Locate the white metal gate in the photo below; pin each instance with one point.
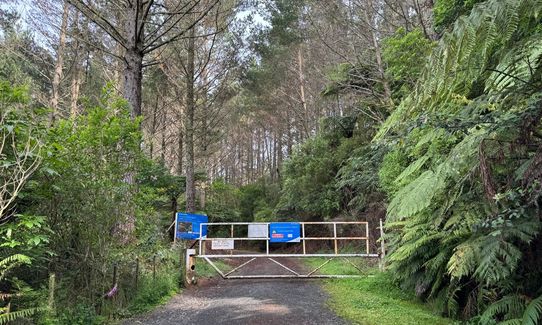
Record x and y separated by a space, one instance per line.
227 242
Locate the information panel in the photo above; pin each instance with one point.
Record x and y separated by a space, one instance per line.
222 244
187 225
285 232
258 231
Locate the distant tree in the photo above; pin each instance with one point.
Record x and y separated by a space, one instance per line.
140 27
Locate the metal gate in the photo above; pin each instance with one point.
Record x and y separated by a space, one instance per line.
224 243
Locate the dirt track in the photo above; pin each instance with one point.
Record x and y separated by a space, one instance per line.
277 301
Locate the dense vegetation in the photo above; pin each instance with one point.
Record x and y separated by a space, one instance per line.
430 119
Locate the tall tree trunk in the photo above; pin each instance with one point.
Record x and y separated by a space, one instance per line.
280 155
57 77
153 127
371 22
301 76
133 79
133 61
289 143
189 124
76 76
180 150
75 89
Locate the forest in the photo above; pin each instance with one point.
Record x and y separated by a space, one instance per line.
116 114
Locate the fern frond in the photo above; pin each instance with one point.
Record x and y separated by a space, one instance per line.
11 262
512 304
533 312
464 260
23 313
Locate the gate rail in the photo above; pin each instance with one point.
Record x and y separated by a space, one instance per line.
303 239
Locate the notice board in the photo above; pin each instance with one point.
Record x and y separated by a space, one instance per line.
187 225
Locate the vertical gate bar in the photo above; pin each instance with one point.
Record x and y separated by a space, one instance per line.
335 236
303 232
175 230
231 233
367 235
267 241
200 228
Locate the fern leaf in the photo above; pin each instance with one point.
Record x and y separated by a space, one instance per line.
23 313
533 312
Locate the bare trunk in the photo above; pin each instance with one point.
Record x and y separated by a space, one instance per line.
279 154
180 153
301 76
76 77
189 124
153 127
425 18
75 89
133 63
378 55
132 80
55 97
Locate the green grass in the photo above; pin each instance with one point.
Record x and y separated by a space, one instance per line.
373 299
204 270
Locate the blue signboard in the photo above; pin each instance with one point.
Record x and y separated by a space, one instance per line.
284 232
187 225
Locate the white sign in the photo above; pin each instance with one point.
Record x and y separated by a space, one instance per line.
257 231
222 244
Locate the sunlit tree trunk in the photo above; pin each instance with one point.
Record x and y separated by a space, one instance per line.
189 124
57 77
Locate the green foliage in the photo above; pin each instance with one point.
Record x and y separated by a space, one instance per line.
155 291
257 200
81 314
463 221
309 185
22 236
93 180
223 202
8 317
345 77
406 54
446 12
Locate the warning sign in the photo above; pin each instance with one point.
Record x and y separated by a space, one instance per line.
222 244
285 232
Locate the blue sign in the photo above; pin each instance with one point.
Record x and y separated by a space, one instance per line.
187 225
284 232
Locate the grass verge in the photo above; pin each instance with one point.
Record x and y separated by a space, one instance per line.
374 298
205 270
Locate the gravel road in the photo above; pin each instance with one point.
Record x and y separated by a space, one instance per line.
274 301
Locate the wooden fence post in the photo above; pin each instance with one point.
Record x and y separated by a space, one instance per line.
52 284
183 265
382 246
137 273
154 267
114 274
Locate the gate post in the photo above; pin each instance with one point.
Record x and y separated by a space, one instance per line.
190 266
